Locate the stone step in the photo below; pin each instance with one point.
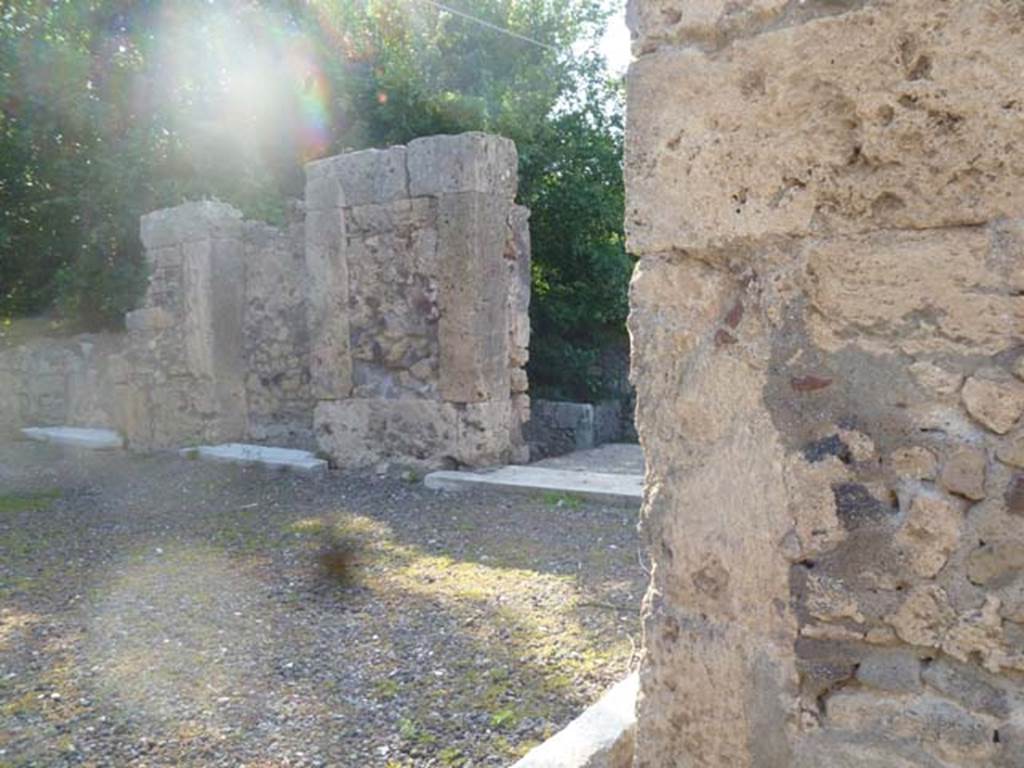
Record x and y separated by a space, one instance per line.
259 455
600 486
602 737
77 437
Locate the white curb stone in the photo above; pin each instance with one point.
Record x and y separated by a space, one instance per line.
78 437
260 455
595 485
602 737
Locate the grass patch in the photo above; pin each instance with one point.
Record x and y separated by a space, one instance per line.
13 503
563 500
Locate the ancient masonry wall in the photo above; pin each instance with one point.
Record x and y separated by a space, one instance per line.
419 267
827 320
387 320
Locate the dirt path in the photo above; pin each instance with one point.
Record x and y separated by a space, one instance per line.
156 611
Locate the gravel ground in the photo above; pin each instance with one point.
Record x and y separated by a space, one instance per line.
156 611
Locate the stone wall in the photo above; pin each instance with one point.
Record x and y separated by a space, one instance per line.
827 322
387 320
276 334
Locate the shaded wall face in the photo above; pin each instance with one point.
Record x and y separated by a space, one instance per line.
827 322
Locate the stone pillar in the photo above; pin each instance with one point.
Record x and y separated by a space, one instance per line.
827 324
411 277
186 349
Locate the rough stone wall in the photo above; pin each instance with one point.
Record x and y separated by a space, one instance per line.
276 334
828 329
388 320
57 381
418 307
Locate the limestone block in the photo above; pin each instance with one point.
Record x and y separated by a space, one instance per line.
362 432
995 401
914 462
403 215
357 178
897 670
518 255
204 220
472 298
929 533
484 432
467 162
995 562
943 728
963 473
330 361
914 136
923 292
708 23
969 686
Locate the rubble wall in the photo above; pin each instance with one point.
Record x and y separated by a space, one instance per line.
387 320
827 322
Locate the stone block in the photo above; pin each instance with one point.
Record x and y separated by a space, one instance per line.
357 178
362 432
149 319
968 685
879 145
270 457
915 462
472 298
705 23
963 473
484 432
943 728
601 737
77 437
929 533
926 293
994 400
994 563
897 671
467 162
518 255
330 360
557 428
204 220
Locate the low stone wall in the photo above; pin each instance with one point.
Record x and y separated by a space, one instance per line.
558 427
387 320
58 381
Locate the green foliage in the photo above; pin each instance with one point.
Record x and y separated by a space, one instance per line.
111 109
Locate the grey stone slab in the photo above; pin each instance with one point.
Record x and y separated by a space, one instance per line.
207 219
78 437
357 178
466 162
594 485
602 737
261 455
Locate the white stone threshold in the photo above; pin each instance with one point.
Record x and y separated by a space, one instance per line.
594 485
77 437
259 455
602 737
